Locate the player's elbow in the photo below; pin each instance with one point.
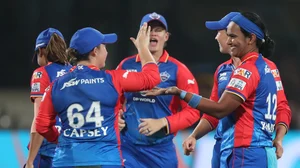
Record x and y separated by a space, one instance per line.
218 116
154 80
221 112
41 127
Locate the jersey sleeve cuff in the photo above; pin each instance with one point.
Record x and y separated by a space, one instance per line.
236 93
211 120
285 125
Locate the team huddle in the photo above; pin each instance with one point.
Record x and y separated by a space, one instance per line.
90 118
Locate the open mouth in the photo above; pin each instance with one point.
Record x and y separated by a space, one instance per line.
153 41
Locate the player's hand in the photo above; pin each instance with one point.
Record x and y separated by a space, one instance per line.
143 37
173 91
121 121
279 149
154 92
189 145
149 126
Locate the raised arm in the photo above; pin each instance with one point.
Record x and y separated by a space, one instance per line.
148 77
136 81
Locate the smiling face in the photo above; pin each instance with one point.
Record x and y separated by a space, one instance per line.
239 44
158 36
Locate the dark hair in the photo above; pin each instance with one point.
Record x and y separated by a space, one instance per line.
56 50
75 56
266 47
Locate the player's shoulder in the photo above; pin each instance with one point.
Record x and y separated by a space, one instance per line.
224 64
270 63
178 63
39 69
129 59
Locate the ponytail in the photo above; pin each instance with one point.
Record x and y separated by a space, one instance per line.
75 57
267 47
56 50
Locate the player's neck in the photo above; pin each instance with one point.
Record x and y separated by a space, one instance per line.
236 61
157 55
86 63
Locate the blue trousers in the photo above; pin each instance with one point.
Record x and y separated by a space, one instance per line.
145 156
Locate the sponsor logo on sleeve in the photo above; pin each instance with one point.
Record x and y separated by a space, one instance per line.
37 75
61 73
275 73
125 74
237 83
243 72
223 76
267 69
191 81
36 87
279 85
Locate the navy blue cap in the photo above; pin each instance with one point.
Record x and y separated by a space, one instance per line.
44 37
84 40
154 16
221 24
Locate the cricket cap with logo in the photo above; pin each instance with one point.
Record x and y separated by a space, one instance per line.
152 17
44 37
221 24
86 39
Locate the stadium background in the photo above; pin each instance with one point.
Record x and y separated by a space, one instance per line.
190 42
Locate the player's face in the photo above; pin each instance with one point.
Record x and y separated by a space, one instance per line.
158 37
221 38
237 41
101 54
41 58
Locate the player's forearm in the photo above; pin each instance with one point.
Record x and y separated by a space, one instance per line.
226 105
202 129
36 141
145 55
280 132
207 106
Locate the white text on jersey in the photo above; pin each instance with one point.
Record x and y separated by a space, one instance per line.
85 133
74 82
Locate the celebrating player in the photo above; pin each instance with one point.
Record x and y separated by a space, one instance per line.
50 50
249 103
160 114
87 101
221 79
